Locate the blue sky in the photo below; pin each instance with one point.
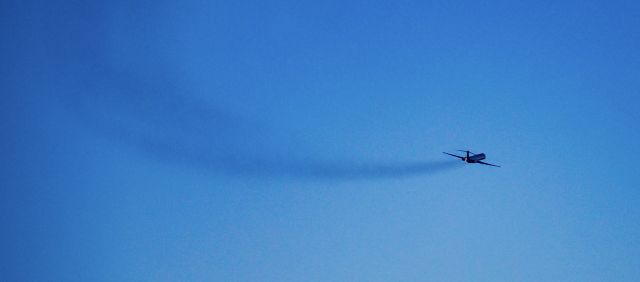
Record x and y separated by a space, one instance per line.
301 141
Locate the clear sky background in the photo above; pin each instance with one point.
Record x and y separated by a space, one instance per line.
302 140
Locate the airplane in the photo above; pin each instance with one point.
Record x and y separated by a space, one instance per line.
474 158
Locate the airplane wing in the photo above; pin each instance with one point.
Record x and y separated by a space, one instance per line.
481 162
462 158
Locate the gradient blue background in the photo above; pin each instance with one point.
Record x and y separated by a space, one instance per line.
174 140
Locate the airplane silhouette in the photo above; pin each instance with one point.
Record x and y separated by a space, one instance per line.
473 158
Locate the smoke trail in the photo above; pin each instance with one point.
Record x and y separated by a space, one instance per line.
141 103
149 115
320 170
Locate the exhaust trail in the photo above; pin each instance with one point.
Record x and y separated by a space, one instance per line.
375 170
134 96
320 170
149 116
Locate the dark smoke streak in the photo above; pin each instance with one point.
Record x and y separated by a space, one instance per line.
140 103
317 170
355 171
179 129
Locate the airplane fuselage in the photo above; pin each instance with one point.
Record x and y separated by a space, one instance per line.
474 158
